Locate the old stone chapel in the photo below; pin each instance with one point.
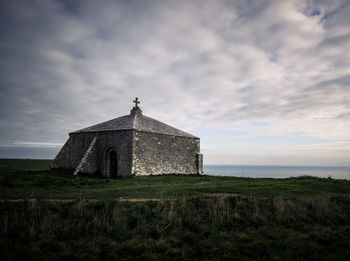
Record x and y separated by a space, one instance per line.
131 145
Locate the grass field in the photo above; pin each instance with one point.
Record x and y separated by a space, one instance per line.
23 179
48 215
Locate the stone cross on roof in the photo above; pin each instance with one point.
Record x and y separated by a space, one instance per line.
136 101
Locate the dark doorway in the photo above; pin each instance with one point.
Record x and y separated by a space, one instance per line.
112 164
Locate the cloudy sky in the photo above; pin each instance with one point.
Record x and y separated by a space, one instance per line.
260 82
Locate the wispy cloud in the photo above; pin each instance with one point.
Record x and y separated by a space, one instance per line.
23 144
37 144
203 66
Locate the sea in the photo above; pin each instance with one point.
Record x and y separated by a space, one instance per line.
277 171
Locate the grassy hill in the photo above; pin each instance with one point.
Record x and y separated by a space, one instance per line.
50 215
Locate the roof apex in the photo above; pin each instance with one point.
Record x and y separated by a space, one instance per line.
136 121
136 110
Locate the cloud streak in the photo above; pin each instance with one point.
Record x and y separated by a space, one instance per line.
282 67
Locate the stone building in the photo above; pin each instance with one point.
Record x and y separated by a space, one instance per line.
131 145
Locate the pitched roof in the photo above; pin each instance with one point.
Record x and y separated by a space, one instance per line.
136 121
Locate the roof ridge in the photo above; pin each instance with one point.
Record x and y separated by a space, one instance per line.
136 121
181 131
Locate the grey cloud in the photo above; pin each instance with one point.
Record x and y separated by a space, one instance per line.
200 64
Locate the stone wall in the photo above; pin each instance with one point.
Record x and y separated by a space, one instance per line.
164 154
62 159
138 153
74 149
88 164
121 142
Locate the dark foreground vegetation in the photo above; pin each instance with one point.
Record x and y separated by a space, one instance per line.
46 215
232 228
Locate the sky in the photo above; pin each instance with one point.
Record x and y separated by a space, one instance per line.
260 82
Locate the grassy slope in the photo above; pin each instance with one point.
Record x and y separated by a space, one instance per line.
18 182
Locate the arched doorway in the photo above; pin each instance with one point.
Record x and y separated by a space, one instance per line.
112 163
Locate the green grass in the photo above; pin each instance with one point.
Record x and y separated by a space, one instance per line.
301 228
17 182
24 164
270 219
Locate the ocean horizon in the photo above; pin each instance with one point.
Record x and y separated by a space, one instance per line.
266 171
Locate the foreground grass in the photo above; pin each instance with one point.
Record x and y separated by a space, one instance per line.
248 219
223 228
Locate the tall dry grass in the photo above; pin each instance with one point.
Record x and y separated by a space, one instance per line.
176 228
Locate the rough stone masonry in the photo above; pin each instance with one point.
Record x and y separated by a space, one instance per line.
131 145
